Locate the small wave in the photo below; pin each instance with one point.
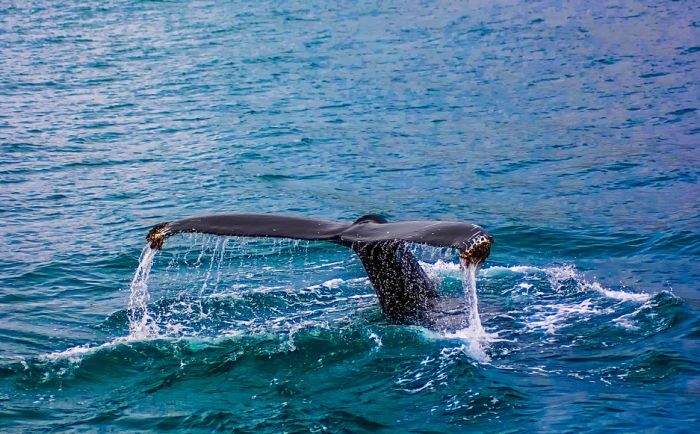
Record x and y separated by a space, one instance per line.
305 336
551 318
651 365
619 295
336 282
558 275
75 354
657 313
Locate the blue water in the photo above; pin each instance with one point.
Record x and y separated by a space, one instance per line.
570 132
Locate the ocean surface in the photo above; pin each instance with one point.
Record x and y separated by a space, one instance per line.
571 132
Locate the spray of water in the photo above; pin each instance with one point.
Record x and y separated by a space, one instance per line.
141 324
473 319
474 333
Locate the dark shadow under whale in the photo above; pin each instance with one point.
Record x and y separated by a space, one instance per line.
406 294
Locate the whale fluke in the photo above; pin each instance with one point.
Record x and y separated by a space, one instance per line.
404 290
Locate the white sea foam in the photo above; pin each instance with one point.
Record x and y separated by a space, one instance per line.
336 282
559 275
332 283
550 318
75 354
628 320
441 268
376 339
521 269
620 295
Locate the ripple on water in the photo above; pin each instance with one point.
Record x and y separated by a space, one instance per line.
568 130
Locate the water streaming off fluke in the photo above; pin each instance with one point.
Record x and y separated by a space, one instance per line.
141 324
469 282
213 287
210 286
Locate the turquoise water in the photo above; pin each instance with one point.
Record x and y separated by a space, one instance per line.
569 132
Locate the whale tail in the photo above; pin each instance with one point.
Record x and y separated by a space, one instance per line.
405 292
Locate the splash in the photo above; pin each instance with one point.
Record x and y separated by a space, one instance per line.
474 332
439 270
473 318
141 324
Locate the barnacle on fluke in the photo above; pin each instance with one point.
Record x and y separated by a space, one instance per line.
156 236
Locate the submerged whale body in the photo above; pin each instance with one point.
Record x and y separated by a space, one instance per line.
406 294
